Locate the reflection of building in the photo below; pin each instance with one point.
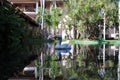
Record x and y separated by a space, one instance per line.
29 73
30 70
110 50
107 53
30 7
66 63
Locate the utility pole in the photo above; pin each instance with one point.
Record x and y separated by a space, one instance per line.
104 25
119 39
42 2
104 57
37 6
118 70
103 14
55 3
119 16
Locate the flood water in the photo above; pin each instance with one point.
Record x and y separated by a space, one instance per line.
81 62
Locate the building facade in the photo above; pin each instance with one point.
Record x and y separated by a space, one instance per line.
30 7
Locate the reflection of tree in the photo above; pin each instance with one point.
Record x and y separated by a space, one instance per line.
86 68
83 66
53 65
108 62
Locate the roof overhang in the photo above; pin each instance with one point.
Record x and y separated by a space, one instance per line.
22 14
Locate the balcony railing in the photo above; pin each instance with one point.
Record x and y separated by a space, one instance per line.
21 1
30 9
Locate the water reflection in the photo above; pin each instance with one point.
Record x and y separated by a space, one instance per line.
62 54
81 62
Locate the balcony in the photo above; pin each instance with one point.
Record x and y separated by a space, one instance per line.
53 0
29 9
26 7
23 1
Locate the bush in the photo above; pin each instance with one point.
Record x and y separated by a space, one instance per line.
14 41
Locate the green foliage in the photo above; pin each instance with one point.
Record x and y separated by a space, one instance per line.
86 12
51 18
38 17
54 67
15 47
